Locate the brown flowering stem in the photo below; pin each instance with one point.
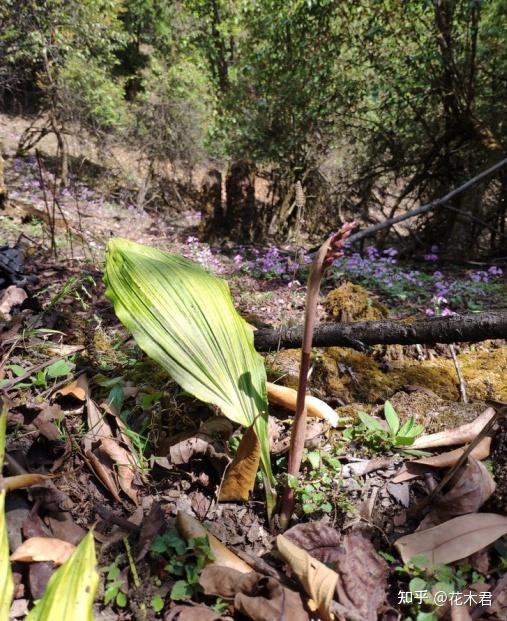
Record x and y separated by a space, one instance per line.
330 250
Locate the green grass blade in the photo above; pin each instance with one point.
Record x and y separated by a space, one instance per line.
6 582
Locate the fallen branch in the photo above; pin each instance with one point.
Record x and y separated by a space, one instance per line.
439 202
471 327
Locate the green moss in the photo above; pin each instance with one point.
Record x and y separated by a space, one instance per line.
350 302
283 366
353 376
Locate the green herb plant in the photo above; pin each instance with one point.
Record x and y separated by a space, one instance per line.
40 379
185 561
423 583
372 434
185 320
114 583
318 484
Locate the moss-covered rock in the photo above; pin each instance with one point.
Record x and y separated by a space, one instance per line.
350 302
347 375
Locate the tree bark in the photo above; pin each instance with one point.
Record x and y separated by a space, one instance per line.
212 223
3 191
240 204
453 329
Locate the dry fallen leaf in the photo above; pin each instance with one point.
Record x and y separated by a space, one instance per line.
415 468
454 539
98 427
190 528
20 481
471 491
259 597
460 435
362 576
100 466
239 479
191 613
318 581
78 389
287 397
124 463
43 549
319 540
200 444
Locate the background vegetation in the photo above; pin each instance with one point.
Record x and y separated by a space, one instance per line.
373 106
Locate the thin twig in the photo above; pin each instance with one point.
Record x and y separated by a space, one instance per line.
107 515
51 219
461 382
439 202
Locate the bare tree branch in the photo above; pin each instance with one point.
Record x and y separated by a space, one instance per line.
439 202
470 327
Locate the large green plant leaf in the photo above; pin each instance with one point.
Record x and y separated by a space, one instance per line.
71 589
6 582
184 318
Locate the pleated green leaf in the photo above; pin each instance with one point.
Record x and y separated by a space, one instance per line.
6 582
184 319
71 589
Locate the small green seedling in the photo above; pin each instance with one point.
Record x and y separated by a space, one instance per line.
423 583
114 583
374 435
186 560
318 484
40 379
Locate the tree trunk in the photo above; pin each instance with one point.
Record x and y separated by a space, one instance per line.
212 223
3 190
454 329
241 213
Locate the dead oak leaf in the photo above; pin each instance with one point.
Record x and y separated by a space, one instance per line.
79 389
318 539
43 549
98 427
362 576
259 597
471 491
100 464
416 467
190 528
201 445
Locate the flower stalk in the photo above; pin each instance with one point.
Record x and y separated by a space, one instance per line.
330 250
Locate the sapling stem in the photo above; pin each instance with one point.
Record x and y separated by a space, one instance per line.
330 250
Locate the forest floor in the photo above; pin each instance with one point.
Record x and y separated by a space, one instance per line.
67 365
